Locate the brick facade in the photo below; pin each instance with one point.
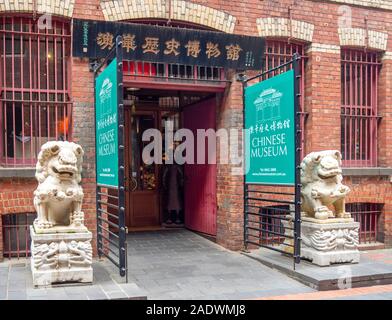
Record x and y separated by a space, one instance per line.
316 23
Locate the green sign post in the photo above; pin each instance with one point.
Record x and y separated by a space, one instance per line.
106 126
269 118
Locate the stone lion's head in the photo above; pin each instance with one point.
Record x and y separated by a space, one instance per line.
60 159
321 165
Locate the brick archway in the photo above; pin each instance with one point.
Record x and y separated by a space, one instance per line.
358 37
62 8
159 9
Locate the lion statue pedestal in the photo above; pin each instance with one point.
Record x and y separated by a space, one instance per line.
61 244
329 234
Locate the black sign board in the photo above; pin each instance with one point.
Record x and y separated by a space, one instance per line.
94 39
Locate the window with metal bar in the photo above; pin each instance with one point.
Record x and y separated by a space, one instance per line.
368 216
278 52
359 114
34 92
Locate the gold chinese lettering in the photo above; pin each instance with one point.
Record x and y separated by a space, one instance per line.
233 52
105 40
151 45
129 42
193 48
212 50
171 47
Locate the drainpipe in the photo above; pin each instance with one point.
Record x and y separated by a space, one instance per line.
366 33
34 10
170 12
290 25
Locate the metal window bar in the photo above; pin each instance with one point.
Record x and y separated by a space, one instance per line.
35 101
16 234
173 72
368 216
278 52
359 110
267 205
110 201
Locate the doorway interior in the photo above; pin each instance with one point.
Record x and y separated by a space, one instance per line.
160 196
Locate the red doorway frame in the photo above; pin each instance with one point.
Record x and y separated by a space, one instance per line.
146 82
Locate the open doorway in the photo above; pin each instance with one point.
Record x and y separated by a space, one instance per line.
162 195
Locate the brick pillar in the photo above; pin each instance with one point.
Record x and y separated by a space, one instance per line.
230 187
385 111
323 100
384 145
1 239
83 133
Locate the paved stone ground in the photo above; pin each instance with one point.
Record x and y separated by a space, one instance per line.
375 268
16 283
179 264
368 293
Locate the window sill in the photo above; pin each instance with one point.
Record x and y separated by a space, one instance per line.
17 172
376 171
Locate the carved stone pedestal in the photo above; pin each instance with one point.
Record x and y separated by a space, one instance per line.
330 241
61 257
326 242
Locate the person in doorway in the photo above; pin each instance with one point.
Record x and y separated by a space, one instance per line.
173 180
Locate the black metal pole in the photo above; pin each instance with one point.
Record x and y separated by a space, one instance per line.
297 200
97 196
245 189
121 168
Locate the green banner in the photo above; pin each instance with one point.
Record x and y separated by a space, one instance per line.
106 126
270 142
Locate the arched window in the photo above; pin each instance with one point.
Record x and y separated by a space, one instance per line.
34 87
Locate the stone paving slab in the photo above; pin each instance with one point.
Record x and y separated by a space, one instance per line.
185 265
374 268
174 264
18 285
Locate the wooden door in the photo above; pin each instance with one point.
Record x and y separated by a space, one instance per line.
200 179
142 194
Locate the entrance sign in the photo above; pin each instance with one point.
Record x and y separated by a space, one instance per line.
269 117
272 181
106 126
110 170
94 39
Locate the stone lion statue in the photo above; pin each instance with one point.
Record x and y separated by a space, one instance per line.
321 179
58 197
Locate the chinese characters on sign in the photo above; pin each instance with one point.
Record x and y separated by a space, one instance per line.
106 126
151 45
95 39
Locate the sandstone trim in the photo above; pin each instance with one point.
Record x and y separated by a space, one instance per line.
325 48
387 55
280 27
159 9
357 37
